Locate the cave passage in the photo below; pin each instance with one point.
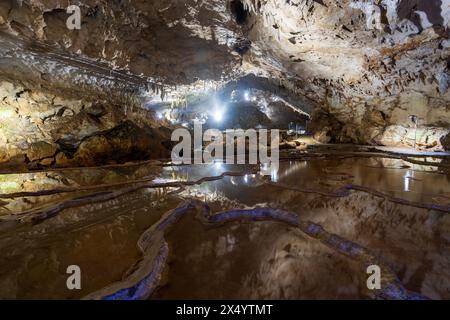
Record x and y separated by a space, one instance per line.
239 11
225 150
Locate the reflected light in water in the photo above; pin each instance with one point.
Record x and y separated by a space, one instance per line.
408 175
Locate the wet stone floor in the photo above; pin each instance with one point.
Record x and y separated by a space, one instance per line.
397 209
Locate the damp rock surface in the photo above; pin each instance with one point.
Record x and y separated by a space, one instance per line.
342 62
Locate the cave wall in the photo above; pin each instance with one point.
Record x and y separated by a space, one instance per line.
176 40
77 97
40 129
367 65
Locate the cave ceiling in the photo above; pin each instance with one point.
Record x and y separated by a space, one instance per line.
342 59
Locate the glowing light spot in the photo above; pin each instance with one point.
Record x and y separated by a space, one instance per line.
218 166
218 115
407 183
274 175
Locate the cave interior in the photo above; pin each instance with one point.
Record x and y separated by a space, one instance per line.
349 99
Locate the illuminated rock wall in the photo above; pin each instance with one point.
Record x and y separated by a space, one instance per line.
365 66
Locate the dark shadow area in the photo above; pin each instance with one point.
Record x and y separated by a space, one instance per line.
239 11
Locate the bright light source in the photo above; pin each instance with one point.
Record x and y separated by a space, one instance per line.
218 111
218 115
218 166
247 96
159 115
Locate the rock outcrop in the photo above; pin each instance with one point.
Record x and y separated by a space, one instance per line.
126 142
43 129
354 57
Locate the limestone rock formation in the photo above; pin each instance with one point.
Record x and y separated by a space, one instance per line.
44 128
126 142
360 69
352 57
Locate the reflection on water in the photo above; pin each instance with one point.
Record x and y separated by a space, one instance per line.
100 238
254 261
70 178
409 175
240 260
394 177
